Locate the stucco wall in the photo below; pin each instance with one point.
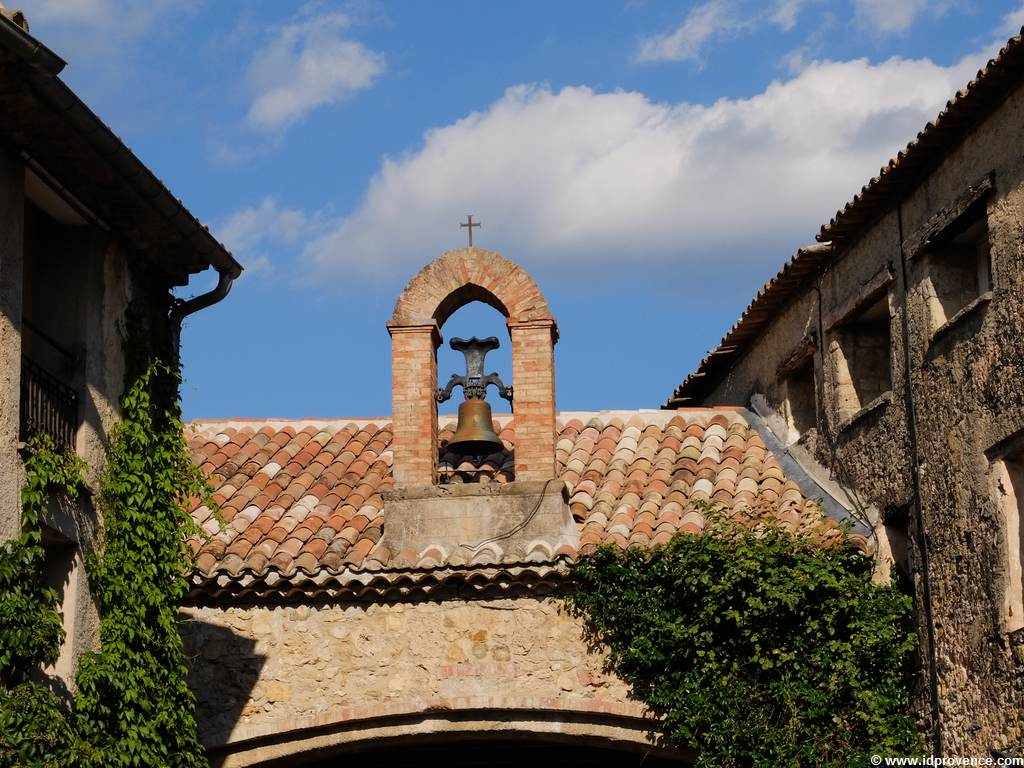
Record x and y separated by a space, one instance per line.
270 670
968 393
11 229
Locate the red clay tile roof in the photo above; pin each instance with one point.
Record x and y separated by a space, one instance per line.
895 180
302 509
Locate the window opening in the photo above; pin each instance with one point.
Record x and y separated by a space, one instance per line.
958 271
799 405
61 566
861 355
1008 474
52 328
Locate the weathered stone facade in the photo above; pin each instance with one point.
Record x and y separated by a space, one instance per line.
41 323
949 391
268 677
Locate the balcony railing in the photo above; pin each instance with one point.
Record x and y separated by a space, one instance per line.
48 406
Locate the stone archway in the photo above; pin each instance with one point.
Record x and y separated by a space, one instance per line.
449 282
459 737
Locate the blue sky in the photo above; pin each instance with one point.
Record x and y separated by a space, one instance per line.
650 163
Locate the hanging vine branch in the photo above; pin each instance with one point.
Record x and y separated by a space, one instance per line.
133 706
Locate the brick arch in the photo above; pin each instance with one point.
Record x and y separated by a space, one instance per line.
457 278
449 282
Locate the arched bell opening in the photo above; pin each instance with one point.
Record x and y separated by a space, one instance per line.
482 320
465 296
475 436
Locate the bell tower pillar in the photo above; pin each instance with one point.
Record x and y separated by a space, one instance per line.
533 377
413 408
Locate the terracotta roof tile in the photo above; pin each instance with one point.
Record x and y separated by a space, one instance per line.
633 480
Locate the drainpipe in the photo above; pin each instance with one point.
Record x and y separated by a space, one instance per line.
915 477
183 309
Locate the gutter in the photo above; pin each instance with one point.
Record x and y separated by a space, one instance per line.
27 48
183 309
132 171
42 80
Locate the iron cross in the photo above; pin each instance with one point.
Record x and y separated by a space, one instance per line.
469 225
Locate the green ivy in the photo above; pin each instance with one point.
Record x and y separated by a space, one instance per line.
757 647
133 707
134 704
35 726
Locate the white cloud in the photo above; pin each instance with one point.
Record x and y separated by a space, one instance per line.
1012 22
785 13
307 65
253 234
717 19
578 177
714 18
116 20
890 16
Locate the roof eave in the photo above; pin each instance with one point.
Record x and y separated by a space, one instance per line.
776 295
193 248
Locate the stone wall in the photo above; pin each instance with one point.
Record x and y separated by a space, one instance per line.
967 389
269 670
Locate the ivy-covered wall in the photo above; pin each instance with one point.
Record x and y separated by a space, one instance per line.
132 706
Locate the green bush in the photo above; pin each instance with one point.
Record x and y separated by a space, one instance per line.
757 647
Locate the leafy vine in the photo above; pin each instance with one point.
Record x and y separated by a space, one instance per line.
133 706
757 647
35 728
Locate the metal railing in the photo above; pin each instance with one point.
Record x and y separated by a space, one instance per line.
48 406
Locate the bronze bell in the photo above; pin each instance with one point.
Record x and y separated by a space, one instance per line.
474 433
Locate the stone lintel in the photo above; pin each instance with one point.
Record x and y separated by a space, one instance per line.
509 519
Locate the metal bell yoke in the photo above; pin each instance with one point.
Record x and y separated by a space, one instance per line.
474 433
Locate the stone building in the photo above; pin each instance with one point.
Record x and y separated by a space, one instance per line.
85 230
891 353
367 592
